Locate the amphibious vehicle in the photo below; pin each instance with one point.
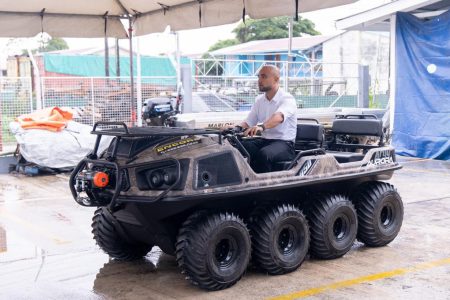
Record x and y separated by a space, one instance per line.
192 193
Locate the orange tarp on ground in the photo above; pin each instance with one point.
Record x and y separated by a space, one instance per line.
52 118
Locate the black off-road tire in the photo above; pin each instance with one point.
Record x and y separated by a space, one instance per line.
380 213
280 238
109 240
213 250
333 224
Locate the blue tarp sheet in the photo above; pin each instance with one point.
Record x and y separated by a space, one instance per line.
422 107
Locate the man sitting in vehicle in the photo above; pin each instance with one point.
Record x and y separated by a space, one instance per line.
274 116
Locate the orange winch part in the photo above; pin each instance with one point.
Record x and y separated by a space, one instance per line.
101 179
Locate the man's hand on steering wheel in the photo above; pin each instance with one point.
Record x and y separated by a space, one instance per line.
232 129
255 130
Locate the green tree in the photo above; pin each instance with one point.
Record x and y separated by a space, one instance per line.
47 44
53 44
272 28
222 44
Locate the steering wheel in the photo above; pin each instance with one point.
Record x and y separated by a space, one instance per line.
237 131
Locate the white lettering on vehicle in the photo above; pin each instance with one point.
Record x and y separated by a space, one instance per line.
306 167
383 157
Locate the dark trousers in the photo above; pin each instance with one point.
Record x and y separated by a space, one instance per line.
264 153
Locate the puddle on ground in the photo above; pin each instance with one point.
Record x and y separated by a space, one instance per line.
14 248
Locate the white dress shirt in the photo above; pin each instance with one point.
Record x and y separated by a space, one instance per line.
263 109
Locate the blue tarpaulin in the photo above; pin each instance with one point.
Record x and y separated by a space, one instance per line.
422 96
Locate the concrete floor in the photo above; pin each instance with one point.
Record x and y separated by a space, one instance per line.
47 252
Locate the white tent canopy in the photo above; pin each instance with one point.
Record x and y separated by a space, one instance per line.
89 18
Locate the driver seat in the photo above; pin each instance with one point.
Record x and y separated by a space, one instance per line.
309 136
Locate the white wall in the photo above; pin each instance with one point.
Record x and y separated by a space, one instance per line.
367 48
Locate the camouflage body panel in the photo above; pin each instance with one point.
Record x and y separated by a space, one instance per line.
309 169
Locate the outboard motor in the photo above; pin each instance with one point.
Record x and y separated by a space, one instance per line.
158 112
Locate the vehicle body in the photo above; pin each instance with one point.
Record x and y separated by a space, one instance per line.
192 193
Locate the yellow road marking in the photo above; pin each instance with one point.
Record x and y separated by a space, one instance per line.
32 227
363 279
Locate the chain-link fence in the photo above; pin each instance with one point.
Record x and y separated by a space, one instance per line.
102 98
217 85
313 85
15 99
91 99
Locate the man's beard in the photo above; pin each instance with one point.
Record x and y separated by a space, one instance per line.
264 88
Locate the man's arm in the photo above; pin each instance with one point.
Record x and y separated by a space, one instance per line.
287 108
276 119
244 125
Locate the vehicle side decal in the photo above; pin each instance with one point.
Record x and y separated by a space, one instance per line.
383 157
177 145
306 167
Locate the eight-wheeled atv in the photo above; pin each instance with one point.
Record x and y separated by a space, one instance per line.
192 193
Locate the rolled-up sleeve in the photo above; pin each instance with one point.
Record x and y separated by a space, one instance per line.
287 107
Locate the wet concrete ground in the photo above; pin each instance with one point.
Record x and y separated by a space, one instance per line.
47 252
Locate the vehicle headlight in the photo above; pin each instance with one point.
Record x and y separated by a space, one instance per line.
169 176
156 178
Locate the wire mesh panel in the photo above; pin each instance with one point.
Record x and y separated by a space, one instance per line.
324 84
103 98
217 86
235 82
15 100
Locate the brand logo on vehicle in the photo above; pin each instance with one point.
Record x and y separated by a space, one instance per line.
219 125
177 145
379 158
306 167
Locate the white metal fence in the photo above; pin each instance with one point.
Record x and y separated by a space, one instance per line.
218 85
313 84
92 99
102 98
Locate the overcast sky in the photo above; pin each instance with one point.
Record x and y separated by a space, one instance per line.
198 41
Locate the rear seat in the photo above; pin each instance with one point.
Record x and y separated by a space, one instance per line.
309 136
354 125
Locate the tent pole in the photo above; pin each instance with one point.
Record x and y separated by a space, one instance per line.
106 48
133 105
289 55
37 82
392 73
138 83
117 58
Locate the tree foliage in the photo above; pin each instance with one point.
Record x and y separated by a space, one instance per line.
47 44
272 28
53 44
223 43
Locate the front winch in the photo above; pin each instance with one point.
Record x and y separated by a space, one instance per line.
90 186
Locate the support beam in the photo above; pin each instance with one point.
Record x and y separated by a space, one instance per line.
392 73
133 104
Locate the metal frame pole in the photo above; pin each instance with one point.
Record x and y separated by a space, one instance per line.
133 104
392 72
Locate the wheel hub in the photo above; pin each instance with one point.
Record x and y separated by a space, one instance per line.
224 253
386 216
340 228
286 240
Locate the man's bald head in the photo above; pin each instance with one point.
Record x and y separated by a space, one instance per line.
273 70
268 78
